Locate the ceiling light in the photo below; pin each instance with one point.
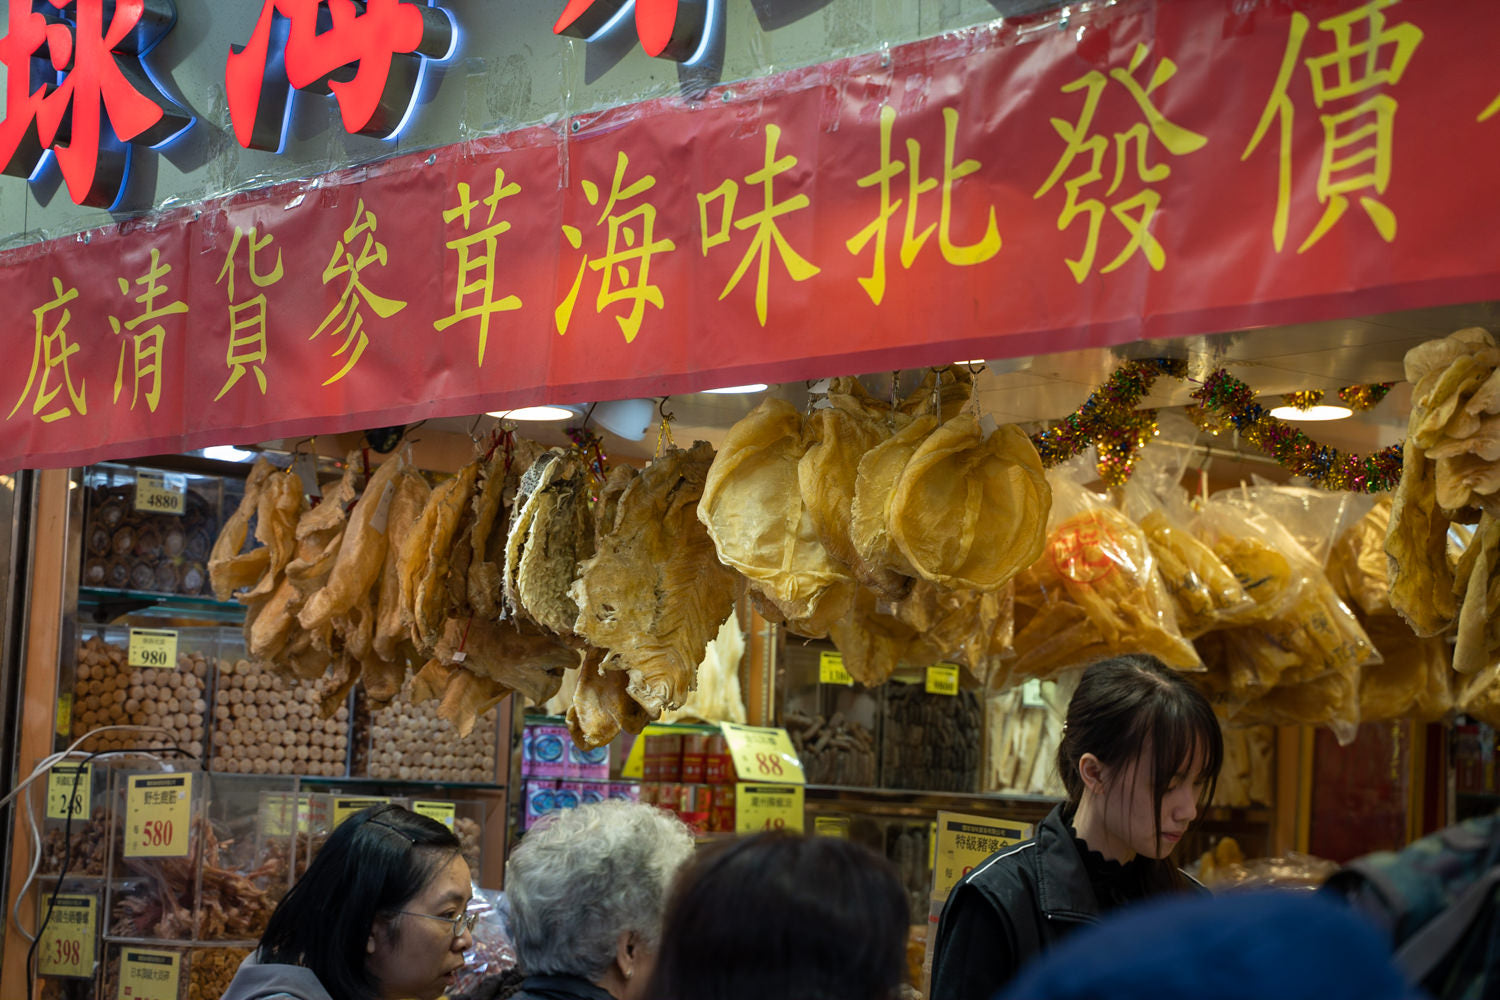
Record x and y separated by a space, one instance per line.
628 418
729 390
228 453
971 364
1320 412
535 413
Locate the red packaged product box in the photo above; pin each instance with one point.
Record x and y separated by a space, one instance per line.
694 757
663 758
696 806
721 819
668 796
718 766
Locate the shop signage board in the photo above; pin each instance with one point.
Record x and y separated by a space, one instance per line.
70 789
941 198
66 947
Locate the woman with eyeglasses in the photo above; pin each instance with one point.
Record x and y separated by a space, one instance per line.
586 894
380 914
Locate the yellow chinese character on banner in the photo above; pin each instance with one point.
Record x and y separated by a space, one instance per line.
147 339
1357 137
476 266
247 318
631 242
52 350
1136 212
763 221
911 241
347 317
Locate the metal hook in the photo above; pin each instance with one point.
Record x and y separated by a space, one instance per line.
475 426
296 448
661 408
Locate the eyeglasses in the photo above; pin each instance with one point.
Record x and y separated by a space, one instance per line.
461 923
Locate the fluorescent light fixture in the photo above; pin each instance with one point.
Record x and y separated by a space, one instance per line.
733 390
228 453
1320 412
535 413
977 361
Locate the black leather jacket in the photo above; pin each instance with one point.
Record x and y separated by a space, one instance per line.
559 988
1020 901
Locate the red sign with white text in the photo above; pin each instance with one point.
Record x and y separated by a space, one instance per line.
1156 170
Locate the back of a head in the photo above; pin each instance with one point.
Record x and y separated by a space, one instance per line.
370 867
587 875
1127 702
785 916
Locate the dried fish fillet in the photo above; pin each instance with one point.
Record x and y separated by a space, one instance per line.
442 513
601 706
407 503
360 557
560 534
224 573
526 660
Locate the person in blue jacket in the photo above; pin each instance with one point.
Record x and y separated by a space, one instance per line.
1140 754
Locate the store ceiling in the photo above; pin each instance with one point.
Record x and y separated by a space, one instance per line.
1042 388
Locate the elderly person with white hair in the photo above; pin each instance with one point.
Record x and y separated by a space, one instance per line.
586 893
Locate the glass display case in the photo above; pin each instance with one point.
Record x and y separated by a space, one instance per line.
149 530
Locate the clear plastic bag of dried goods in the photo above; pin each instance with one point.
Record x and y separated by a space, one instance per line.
1095 591
490 965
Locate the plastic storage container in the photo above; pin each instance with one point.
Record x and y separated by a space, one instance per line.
148 530
173 696
834 726
264 723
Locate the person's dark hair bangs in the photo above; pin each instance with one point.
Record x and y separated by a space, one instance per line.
370 867
784 916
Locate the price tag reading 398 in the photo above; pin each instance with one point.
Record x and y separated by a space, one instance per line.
158 811
67 944
153 647
763 754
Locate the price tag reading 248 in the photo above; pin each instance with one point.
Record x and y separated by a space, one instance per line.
762 754
158 812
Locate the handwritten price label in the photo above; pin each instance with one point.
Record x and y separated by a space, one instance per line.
153 647
763 754
758 808
69 791
160 492
149 975
831 669
445 813
963 842
67 944
942 678
344 808
158 813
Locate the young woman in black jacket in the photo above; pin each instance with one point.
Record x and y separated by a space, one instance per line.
1140 754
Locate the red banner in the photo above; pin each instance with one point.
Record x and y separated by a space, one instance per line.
1148 170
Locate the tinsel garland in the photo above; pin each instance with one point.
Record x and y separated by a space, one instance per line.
1357 397
1224 399
1109 420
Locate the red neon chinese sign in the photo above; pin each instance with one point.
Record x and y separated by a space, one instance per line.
370 56
77 87
671 29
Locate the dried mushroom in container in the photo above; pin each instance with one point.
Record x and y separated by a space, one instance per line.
132 542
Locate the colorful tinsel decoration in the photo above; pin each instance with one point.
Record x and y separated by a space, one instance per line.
1224 400
591 447
1109 420
1361 397
1304 400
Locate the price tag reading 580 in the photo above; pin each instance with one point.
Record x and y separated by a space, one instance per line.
158 811
762 754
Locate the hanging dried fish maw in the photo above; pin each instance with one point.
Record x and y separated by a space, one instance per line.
443 512
484 572
407 502
838 437
281 505
601 706
381 679
874 644
615 483
752 507
654 593
970 511
874 485
530 497
361 555
525 660
560 534
1416 542
272 626
943 394
228 570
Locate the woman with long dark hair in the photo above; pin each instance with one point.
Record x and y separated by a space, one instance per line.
380 914
1139 757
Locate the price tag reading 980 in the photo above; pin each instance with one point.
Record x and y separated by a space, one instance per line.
69 789
153 647
763 754
160 492
67 944
158 811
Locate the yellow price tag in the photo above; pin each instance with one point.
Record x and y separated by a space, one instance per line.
831 826
282 812
160 492
343 808
942 678
65 714
445 813
831 669
763 754
153 647
67 944
963 842
148 975
767 807
70 789
158 814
